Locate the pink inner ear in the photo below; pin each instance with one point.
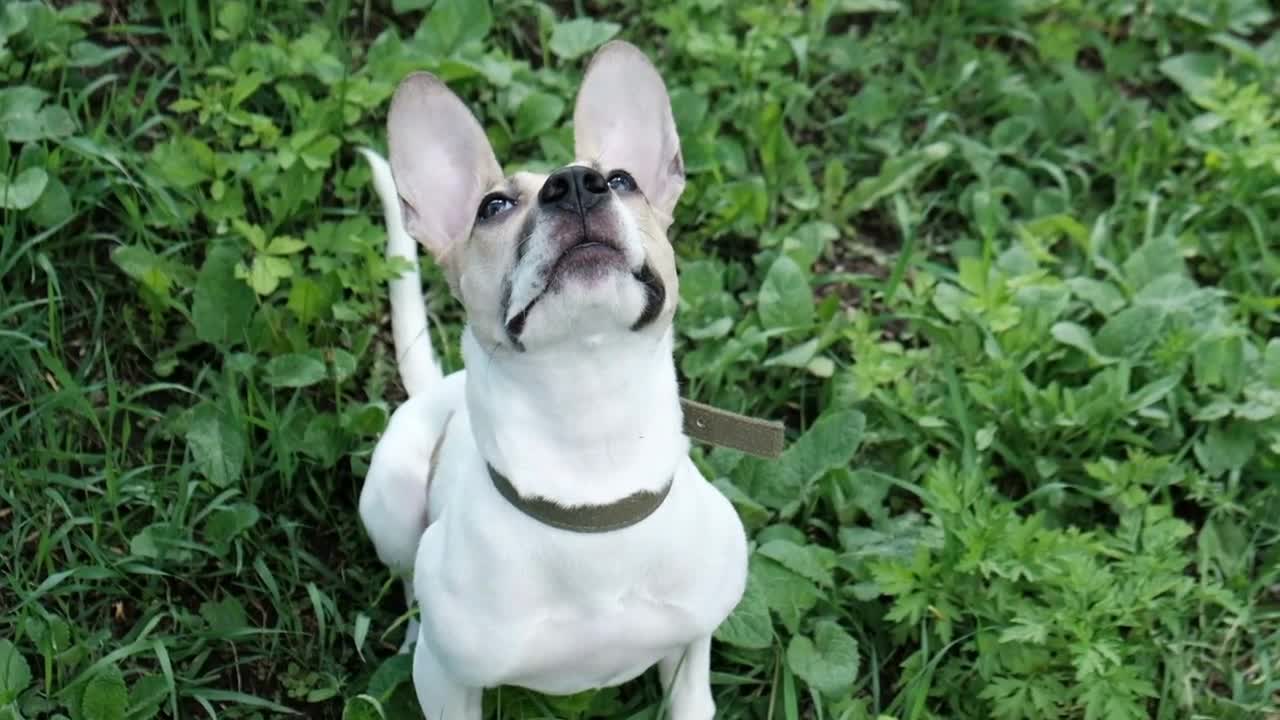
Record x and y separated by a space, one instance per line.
623 121
441 161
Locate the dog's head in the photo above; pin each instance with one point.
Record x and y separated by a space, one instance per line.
538 260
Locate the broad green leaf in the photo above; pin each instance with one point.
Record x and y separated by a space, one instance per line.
1219 360
55 122
161 541
809 242
829 662
54 205
749 625
24 118
1103 296
144 266
393 672
88 54
217 445
798 356
344 364
1011 133
20 99
221 305
753 514
79 12
308 299
323 439
13 20
1226 448
226 616
821 366
256 236
265 273
1194 72
23 191
105 696
1155 259
317 154
295 370
146 696
1226 542
225 524
366 419
806 560
1069 333
785 299
1129 333
537 113
363 707
1271 363
452 24
1154 392
285 245
15 674
183 162
574 38
234 17
787 593
830 443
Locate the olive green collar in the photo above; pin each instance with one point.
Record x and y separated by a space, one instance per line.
701 422
711 425
616 515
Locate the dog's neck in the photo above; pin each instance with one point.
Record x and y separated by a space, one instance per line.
581 424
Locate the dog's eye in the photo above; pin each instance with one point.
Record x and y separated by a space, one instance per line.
621 181
493 204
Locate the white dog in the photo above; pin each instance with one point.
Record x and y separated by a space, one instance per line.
541 503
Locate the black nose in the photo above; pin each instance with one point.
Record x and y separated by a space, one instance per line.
574 189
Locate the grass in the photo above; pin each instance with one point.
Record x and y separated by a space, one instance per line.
1007 269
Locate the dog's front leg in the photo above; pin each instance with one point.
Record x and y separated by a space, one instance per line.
686 679
440 696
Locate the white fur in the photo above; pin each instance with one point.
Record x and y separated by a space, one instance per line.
586 419
418 368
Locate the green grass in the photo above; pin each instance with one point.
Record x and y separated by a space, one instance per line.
1008 269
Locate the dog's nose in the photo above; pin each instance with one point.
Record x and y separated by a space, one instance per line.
575 189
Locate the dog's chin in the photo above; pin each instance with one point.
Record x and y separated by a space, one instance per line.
587 302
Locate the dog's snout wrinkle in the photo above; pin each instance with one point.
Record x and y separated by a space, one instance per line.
575 189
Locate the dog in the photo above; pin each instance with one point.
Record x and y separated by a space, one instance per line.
541 504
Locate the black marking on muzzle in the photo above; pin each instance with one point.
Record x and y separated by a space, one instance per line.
515 325
523 238
655 295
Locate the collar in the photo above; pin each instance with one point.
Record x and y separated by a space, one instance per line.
701 422
583 518
714 426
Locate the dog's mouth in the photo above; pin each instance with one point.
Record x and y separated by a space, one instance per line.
592 258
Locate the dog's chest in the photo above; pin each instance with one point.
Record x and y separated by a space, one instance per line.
506 600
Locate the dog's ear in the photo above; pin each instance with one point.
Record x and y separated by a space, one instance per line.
441 161
623 121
